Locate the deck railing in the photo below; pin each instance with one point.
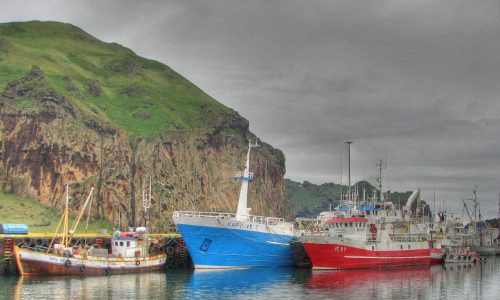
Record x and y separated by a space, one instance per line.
228 216
409 237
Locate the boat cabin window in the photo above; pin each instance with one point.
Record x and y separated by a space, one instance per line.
121 244
128 243
350 224
408 246
401 247
116 243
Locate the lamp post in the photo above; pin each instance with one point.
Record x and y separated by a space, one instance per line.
349 160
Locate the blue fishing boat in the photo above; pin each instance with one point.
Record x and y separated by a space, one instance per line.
224 240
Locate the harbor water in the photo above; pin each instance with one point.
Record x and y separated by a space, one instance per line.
451 281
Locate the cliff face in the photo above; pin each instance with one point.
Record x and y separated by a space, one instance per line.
52 134
48 143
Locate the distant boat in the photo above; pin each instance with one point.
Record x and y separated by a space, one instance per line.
486 239
130 253
461 255
223 240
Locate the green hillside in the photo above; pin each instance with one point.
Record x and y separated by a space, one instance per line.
105 81
39 217
309 199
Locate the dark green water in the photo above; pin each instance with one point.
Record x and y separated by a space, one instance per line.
480 281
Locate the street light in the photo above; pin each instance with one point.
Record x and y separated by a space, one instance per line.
349 159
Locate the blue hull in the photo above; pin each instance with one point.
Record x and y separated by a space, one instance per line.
212 247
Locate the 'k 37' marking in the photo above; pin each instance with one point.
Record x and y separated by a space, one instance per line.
340 249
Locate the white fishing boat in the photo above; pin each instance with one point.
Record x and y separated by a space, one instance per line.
129 253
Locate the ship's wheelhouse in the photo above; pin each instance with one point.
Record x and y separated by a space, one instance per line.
346 226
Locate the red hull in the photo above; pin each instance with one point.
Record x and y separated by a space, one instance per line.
336 256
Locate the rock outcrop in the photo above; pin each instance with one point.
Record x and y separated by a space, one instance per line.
46 141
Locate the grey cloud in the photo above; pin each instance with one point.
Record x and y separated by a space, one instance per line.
412 82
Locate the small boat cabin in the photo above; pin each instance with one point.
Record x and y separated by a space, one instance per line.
132 243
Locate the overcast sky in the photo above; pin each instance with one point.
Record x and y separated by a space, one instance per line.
413 82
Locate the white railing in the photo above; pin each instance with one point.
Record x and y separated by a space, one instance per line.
218 215
409 237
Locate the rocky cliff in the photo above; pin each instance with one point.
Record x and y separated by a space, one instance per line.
114 121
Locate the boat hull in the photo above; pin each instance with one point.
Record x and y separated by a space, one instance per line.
216 244
487 250
31 263
338 256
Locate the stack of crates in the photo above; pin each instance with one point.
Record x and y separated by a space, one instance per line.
13 228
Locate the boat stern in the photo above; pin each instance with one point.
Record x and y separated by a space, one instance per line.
437 254
17 256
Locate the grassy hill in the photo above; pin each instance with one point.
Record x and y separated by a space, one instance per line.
309 199
40 218
104 80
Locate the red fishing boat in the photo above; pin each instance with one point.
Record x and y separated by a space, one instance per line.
353 242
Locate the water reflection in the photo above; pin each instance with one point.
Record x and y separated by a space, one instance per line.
395 283
102 287
454 281
241 284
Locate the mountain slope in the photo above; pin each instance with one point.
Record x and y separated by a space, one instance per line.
105 81
92 114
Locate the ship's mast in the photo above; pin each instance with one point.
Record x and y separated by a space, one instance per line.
381 166
246 176
62 221
65 225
